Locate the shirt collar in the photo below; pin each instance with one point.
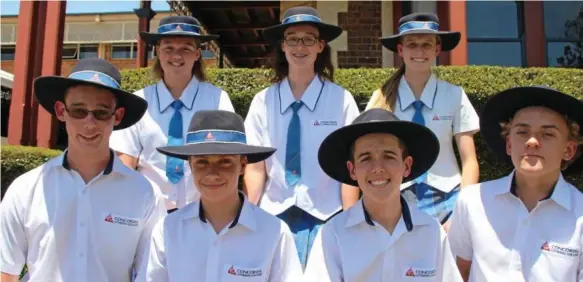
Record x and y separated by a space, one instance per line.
410 216
244 214
560 193
188 95
113 165
406 96
310 97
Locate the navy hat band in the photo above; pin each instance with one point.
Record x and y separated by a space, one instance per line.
215 136
96 77
417 25
179 27
301 18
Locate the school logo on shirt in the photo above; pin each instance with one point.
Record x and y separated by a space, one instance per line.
442 117
558 249
325 123
245 272
116 219
420 272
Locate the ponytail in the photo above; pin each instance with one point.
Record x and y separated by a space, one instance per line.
389 91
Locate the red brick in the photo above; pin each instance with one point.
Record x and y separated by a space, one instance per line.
363 22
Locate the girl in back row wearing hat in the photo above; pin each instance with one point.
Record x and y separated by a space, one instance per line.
294 115
414 93
222 237
180 92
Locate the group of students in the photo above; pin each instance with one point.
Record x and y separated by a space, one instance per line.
148 188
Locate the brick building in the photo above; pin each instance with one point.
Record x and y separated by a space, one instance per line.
110 36
506 33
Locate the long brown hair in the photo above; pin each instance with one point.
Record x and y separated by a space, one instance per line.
197 68
323 65
389 91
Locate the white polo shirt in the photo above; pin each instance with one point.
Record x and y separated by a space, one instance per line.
256 246
141 140
66 230
492 228
447 112
327 107
351 247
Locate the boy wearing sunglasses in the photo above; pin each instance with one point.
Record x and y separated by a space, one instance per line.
68 220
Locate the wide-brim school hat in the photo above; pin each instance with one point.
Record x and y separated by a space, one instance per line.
216 132
177 26
503 106
422 23
421 143
301 15
92 72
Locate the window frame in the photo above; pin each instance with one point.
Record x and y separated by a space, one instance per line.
553 39
520 39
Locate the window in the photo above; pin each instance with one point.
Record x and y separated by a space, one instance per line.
125 51
88 51
7 53
495 33
69 52
564 33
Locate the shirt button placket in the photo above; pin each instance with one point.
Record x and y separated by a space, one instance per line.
82 233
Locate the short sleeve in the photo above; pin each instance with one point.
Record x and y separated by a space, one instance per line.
286 266
459 230
254 125
352 110
13 243
153 268
324 263
465 118
225 103
127 140
156 211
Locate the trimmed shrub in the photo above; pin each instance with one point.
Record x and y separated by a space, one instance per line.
479 82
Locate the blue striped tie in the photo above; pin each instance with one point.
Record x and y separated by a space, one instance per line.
293 169
175 166
418 118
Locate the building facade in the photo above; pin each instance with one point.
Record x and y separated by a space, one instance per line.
110 36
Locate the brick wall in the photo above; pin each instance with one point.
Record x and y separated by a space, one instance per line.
363 25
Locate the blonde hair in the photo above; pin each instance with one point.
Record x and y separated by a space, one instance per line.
574 130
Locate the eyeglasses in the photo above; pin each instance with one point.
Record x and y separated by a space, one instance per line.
80 113
306 40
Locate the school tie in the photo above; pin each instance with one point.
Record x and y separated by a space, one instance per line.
418 118
175 166
293 168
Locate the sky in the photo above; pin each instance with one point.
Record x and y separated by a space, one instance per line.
11 7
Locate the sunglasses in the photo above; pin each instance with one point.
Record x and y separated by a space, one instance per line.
81 113
306 40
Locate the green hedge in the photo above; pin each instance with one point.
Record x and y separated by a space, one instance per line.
242 84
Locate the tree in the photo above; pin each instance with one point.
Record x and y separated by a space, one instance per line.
573 52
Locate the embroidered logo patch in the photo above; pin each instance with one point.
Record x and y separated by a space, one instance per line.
325 123
442 117
245 272
210 136
116 219
420 272
559 249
